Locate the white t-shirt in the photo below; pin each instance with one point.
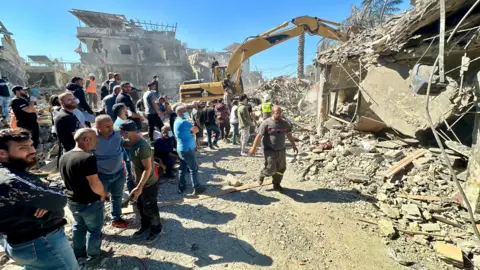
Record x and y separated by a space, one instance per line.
233 115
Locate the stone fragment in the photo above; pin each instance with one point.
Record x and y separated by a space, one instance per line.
382 197
426 214
421 162
330 167
394 144
420 239
390 211
386 227
430 227
394 155
449 253
411 211
357 177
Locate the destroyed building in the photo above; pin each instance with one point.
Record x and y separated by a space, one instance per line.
384 72
46 75
11 64
137 50
201 61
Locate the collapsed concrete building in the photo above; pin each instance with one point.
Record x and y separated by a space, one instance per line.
384 72
201 61
46 75
137 50
11 64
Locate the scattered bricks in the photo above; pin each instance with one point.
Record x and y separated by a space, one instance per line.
386 227
450 254
357 177
390 211
414 227
430 227
382 197
394 155
426 214
411 211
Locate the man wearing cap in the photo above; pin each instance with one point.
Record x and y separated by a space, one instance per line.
23 107
146 184
91 86
152 111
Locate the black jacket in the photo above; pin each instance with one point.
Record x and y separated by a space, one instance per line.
21 194
80 94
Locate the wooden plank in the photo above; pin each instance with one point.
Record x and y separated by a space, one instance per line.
450 254
404 162
194 199
421 198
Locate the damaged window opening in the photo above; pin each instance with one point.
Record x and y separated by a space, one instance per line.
125 49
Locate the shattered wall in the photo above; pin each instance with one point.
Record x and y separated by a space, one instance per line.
11 64
383 64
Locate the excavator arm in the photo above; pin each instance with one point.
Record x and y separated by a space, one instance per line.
279 34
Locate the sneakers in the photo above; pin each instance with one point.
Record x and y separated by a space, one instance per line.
154 234
260 180
216 145
198 190
140 232
181 189
278 188
243 154
211 147
92 261
122 224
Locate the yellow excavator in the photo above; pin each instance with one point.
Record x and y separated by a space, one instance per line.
196 90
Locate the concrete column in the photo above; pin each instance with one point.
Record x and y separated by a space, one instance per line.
322 98
472 189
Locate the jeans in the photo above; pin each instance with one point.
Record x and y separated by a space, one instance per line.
244 137
225 129
188 161
210 129
51 251
235 132
5 102
89 118
148 207
130 183
87 228
153 121
114 184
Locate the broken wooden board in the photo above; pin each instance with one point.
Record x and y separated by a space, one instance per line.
194 199
450 254
405 162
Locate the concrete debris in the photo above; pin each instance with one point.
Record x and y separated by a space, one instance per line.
450 254
430 227
386 227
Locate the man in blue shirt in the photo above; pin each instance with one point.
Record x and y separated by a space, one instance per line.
109 101
164 152
110 167
186 148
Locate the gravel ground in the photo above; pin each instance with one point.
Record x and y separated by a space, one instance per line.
308 227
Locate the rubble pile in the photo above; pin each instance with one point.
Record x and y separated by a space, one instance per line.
418 208
289 93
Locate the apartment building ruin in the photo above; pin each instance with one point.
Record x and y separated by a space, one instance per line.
137 50
11 64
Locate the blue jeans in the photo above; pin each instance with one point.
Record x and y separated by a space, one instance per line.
130 184
188 161
4 102
114 184
210 129
87 228
236 132
89 117
51 251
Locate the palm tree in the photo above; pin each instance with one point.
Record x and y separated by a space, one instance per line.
301 55
380 8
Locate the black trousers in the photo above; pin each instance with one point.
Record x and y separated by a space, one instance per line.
153 121
173 116
224 129
148 207
34 129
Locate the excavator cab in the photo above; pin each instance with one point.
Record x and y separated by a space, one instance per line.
219 73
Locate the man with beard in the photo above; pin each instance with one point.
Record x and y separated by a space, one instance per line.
125 98
76 87
66 123
104 91
24 109
31 213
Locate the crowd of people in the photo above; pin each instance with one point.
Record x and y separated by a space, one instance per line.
104 153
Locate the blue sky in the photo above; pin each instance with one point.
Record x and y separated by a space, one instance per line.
47 28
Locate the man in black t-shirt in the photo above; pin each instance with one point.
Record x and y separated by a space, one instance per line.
210 119
66 123
85 194
125 98
24 109
104 91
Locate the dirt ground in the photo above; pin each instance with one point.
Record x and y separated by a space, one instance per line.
307 227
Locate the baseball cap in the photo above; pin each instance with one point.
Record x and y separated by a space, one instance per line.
18 88
128 125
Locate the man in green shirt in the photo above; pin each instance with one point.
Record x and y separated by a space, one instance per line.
244 124
146 190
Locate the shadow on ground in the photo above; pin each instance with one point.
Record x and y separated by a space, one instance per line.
209 245
199 213
326 195
124 261
250 197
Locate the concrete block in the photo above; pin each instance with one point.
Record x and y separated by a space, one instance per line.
430 227
411 211
394 155
357 177
390 211
450 254
386 227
